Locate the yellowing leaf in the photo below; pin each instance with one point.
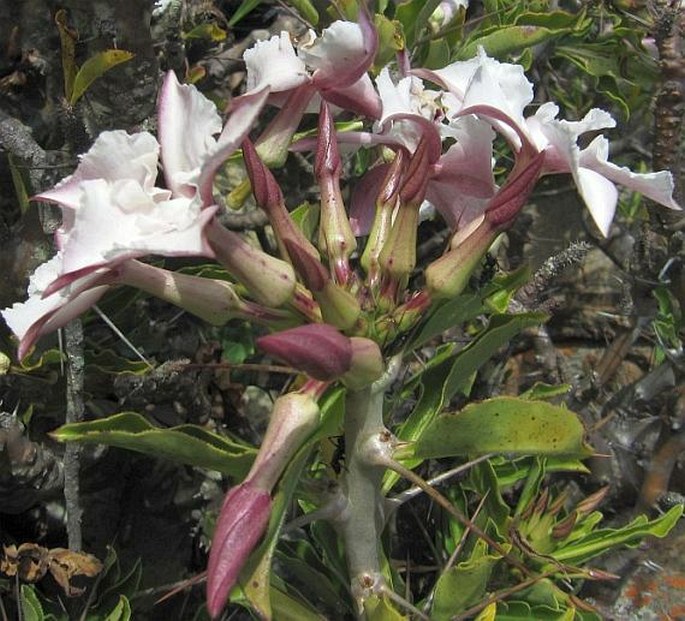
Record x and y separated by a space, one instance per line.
93 68
68 38
209 31
505 425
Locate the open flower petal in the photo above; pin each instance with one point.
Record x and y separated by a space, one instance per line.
114 155
120 220
40 315
187 123
274 64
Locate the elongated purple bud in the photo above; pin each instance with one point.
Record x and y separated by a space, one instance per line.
246 510
243 519
509 201
416 178
318 350
215 301
385 205
291 241
336 238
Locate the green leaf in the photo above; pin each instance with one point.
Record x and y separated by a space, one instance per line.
306 216
287 608
121 612
256 575
509 40
631 535
464 585
94 67
504 425
306 9
414 16
442 381
68 38
188 444
245 8
380 608
19 185
31 608
454 312
208 31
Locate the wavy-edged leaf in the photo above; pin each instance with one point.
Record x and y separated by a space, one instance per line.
504 425
93 68
599 541
188 444
440 382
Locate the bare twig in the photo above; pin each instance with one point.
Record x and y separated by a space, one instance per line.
74 413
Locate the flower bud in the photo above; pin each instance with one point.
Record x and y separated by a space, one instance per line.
243 519
448 276
269 280
213 300
366 365
318 350
335 233
385 206
338 306
509 201
294 417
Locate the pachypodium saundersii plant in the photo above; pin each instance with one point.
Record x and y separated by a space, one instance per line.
338 305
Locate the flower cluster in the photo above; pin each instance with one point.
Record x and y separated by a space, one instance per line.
330 320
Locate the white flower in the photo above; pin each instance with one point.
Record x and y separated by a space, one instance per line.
40 315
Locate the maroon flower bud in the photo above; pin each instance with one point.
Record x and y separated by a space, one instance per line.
267 192
243 519
327 160
318 350
509 201
416 178
367 363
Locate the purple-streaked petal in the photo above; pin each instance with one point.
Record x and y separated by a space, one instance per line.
243 519
188 122
343 53
359 97
363 202
462 182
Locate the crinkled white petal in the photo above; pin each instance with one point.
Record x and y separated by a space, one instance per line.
275 64
39 315
114 155
340 45
188 122
485 81
119 220
655 185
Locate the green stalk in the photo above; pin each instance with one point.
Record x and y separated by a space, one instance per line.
363 521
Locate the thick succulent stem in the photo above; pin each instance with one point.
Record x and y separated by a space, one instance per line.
363 522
